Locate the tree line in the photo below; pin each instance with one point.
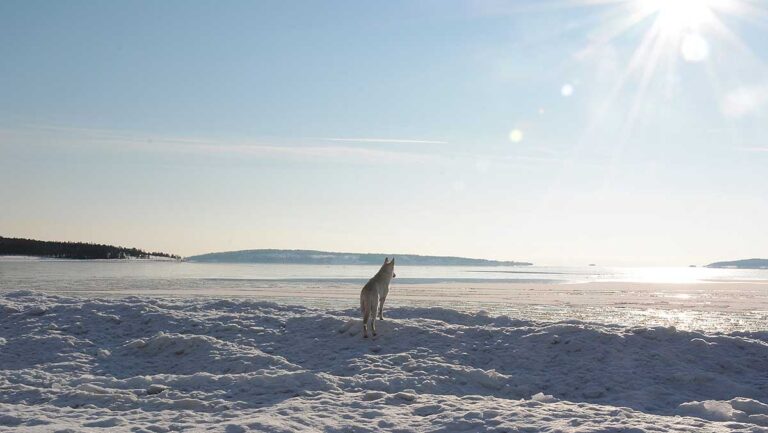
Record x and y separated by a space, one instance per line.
72 250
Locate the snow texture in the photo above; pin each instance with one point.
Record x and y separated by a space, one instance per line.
145 364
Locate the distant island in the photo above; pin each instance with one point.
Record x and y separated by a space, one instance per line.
73 250
741 264
329 258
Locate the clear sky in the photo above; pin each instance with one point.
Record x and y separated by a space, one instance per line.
559 132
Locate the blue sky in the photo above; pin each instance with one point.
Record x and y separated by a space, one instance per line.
560 132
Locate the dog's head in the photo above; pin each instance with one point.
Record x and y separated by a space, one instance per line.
389 266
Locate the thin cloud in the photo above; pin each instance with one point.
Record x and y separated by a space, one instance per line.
384 140
343 153
284 149
755 149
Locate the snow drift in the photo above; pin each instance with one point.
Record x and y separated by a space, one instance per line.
153 364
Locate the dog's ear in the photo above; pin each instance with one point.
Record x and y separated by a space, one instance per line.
392 262
386 260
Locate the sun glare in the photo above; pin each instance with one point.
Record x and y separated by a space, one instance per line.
659 36
694 48
680 15
682 24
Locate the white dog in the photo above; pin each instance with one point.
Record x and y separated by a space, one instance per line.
374 294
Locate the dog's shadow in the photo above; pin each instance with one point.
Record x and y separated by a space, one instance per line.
443 351
354 327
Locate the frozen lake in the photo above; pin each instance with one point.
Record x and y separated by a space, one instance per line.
712 300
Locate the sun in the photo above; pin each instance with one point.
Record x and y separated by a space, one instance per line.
675 16
681 25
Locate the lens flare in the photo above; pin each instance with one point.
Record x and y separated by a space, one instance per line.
516 136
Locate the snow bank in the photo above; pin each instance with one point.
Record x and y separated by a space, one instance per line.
742 410
188 354
152 364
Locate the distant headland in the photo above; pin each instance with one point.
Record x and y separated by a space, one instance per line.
331 258
741 264
73 250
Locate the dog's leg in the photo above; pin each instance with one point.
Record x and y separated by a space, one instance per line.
373 325
366 314
373 318
381 308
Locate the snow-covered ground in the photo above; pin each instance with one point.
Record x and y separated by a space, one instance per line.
150 364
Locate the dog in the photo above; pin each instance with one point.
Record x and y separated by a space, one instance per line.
374 294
